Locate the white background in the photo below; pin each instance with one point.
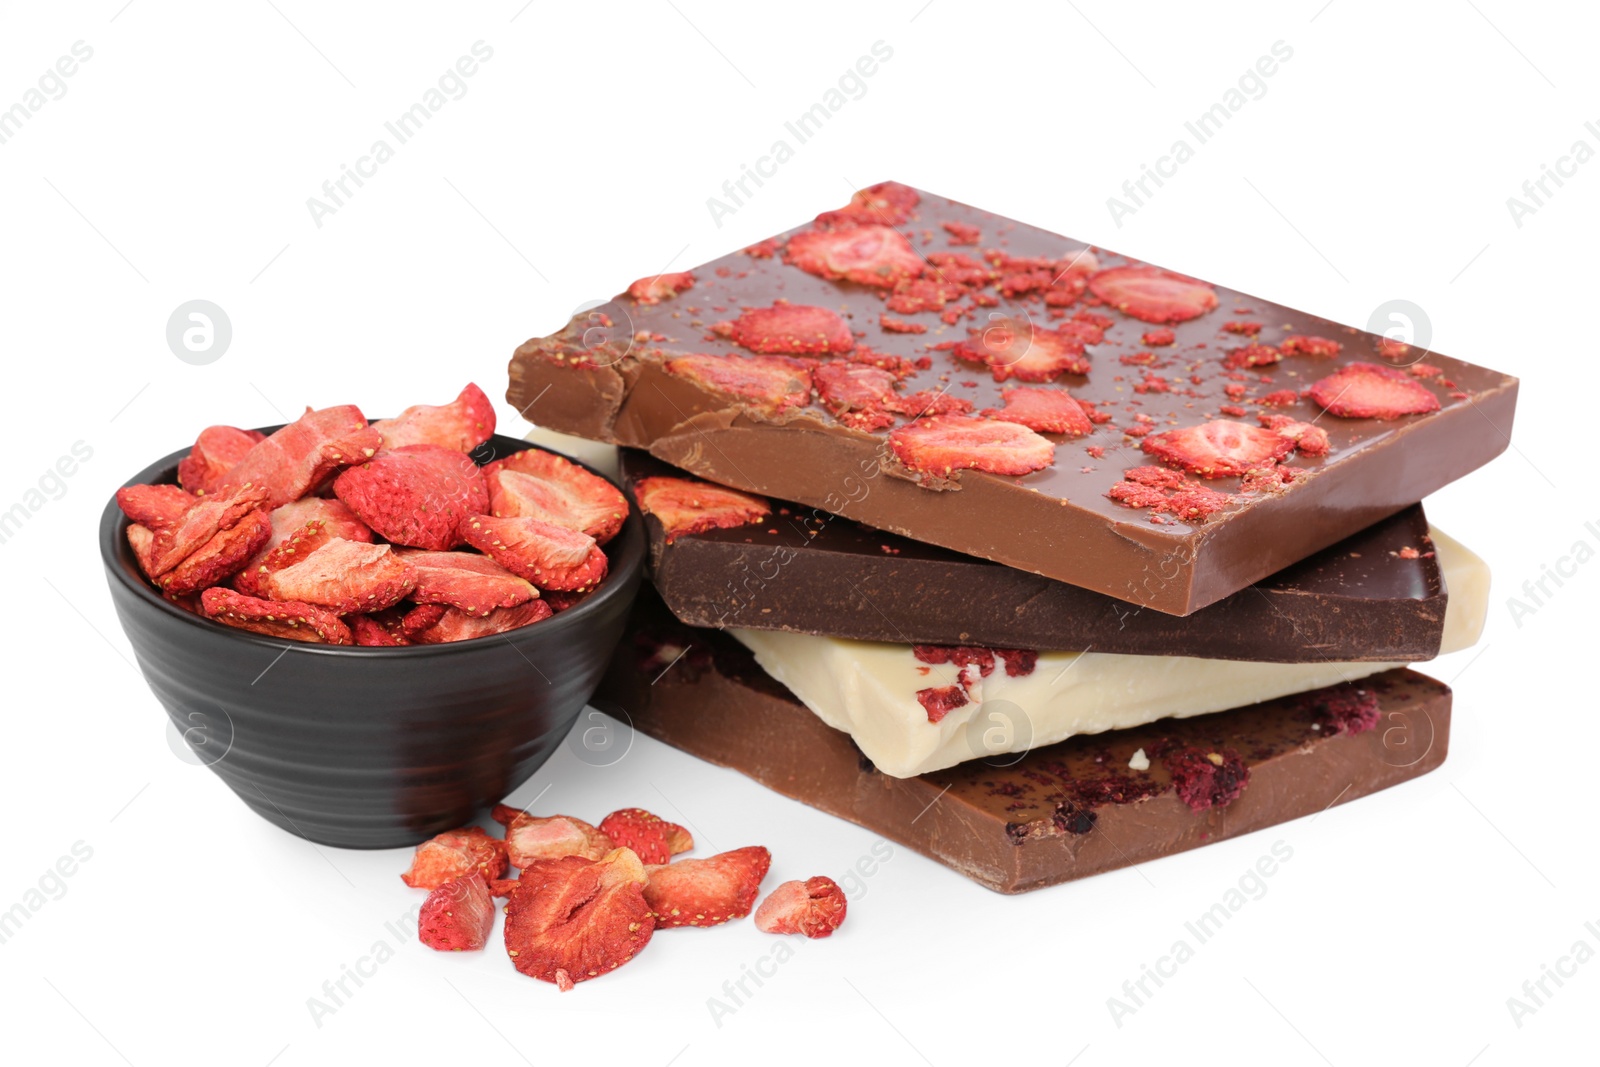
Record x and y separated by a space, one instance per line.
177 166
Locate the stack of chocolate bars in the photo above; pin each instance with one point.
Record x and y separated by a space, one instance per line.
1031 557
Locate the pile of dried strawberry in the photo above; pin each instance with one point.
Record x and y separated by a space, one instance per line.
337 532
589 898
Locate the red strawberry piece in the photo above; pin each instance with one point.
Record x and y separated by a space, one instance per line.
1389 348
216 451
1280 398
924 294
1252 356
573 919
470 583
549 556
418 495
1153 294
940 700
1205 779
456 854
293 622
762 249
532 839
661 287
962 233
503 887
435 624
1029 353
378 630
141 540
869 255
894 325
536 484
295 460
686 506
648 834
223 555
706 892
772 384
927 402
1309 440
963 442
560 600
347 577
457 916
1048 410
462 425
1247 329
795 329
855 394
1370 391
332 513
180 538
814 907
1157 477
1158 338
887 202
1219 448
155 505
1300 344
1424 370
292 549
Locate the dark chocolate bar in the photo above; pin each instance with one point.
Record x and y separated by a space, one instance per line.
1377 596
1015 823
1219 439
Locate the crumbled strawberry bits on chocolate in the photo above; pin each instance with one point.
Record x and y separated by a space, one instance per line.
661 287
1205 780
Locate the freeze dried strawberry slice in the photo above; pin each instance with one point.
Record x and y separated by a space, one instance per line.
648 834
573 919
887 202
435 624
536 484
869 254
963 442
549 556
223 555
1028 352
379 630
155 505
296 459
1153 295
178 539
773 384
661 287
216 451
293 622
456 854
706 892
333 514
854 393
1044 409
1308 440
347 577
531 839
795 329
141 541
1370 391
814 907
463 424
473 584
686 506
457 916
1219 448
417 496
1253 355
291 550
1300 344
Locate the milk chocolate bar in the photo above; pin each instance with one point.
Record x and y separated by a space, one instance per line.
1377 596
1091 804
958 378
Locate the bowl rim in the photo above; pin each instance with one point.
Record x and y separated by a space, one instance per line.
626 564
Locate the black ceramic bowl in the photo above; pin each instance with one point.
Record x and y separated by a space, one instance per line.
370 747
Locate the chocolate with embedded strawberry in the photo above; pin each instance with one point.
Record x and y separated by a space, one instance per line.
946 332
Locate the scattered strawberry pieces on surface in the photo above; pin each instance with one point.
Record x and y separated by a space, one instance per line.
792 329
706 892
815 907
462 425
652 838
1153 295
868 254
1371 391
1046 409
573 919
887 202
1300 344
533 838
285 619
661 287
1219 448
535 484
549 556
686 506
948 443
1308 440
1158 338
1028 352
1252 355
472 584
216 451
771 384
455 854
416 496
458 915
962 233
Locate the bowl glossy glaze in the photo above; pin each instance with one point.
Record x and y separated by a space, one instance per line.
370 747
